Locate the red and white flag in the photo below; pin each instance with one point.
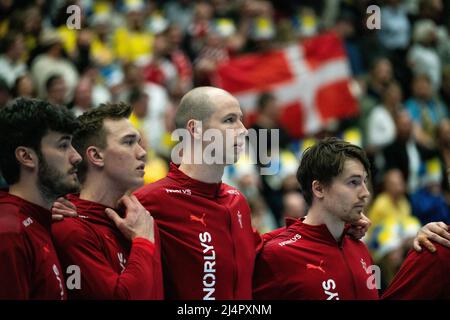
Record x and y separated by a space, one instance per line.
311 81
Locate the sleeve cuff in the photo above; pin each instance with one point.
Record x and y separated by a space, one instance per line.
145 243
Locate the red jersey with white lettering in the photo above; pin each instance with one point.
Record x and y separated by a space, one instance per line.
29 266
208 244
423 275
111 267
306 262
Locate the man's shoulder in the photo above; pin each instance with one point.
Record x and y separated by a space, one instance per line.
442 253
13 220
279 239
154 188
230 191
72 230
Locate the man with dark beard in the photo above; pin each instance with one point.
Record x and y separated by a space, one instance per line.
39 163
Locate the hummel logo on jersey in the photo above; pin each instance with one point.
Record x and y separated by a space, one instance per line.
122 261
201 220
291 240
235 192
314 267
27 221
364 265
46 248
239 215
182 191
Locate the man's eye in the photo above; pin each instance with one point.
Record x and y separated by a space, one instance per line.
63 145
229 120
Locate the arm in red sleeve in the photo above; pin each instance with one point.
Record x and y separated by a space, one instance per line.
259 242
419 277
265 284
15 268
99 280
272 234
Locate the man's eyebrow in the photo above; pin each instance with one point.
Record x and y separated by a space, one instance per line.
65 137
358 176
235 114
130 135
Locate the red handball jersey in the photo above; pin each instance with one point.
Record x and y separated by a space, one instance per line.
423 275
111 267
306 262
29 266
208 244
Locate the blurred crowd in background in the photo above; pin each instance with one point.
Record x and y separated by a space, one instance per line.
150 53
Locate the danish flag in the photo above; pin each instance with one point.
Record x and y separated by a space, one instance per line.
311 81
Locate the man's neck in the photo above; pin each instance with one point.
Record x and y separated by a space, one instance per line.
317 216
208 173
100 190
30 192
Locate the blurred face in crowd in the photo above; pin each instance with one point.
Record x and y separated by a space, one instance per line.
393 94
422 87
174 35
446 80
161 45
140 107
382 71
134 76
404 125
25 87
394 184
271 109
83 94
17 49
294 205
443 135
135 20
57 91
203 12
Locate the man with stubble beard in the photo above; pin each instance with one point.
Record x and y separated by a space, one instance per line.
39 163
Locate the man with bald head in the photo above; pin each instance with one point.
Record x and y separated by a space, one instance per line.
208 245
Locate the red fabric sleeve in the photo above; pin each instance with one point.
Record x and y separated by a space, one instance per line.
265 283
15 269
419 277
98 279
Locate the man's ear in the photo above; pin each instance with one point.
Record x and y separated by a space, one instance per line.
27 157
95 156
195 128
317 189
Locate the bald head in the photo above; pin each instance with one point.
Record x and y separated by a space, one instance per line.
199 104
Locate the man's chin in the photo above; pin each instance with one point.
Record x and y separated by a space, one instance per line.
139 182
353 218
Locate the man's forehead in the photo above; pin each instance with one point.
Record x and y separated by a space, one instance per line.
52 135
226 105
119 127
353 167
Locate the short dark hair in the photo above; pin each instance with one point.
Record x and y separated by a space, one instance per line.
324 161
135 95
24 122
51 81
264 99
9 40
91 131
